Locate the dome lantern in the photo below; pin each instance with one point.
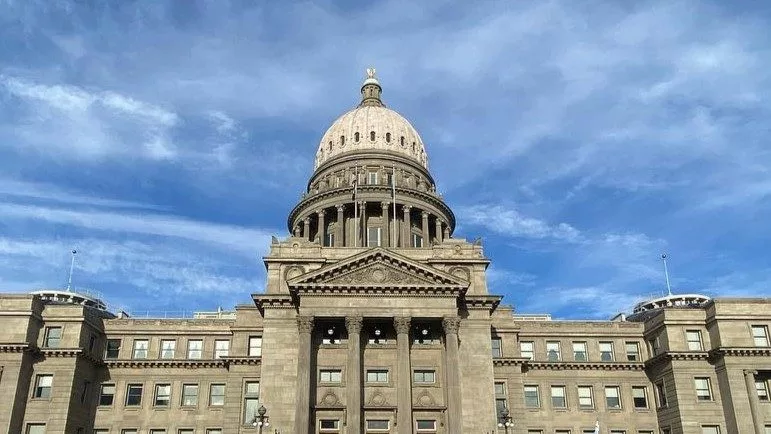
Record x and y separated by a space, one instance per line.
371 90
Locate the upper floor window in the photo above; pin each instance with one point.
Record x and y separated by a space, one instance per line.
377 376
43 384
189 395
330 375
661 394
133 395
36 428
255 346
585 398
762 387
496 345
388 137
113 349
703 389
140 348
532 397
162 395
106 394
168 347
632 351
342 140
194 349
654 345
424 376
372 178
378 425
251 400
53 337
693 339
612 397
331 425
500 398
558 397
373 237
526 350
640 396
329 239
425 425
417 240
606 351
579 351
372 136
356 137
217 395
760 335
710 429
221 348
553 351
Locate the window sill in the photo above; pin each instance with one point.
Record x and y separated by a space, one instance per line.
40 399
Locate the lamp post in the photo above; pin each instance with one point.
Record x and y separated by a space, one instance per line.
505 420
260 419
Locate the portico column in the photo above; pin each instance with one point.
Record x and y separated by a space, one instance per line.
322 229
454 409
340 226
749 380
446 232
385 240
406 239
302 410
438 230
306 228
426 240
403 376
296 231
353 374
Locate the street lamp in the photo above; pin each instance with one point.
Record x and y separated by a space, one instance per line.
505 420
260 419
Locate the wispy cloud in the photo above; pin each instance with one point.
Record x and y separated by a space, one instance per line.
509 222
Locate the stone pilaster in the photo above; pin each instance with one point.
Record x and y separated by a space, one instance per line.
406 238
438 230
757 418
385 239
302 411
340 226
353 374
454 410
424 227
306 228
322 231
403 376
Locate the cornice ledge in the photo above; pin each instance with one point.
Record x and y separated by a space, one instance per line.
586 366
667 356
740 351
166 363
243 360
417 290
15 347
273 301
61 352
482 302
510 361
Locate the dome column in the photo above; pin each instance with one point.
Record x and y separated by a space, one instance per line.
406 242
322 231
446 232
384 238
339 228
306 231
424 227
438 230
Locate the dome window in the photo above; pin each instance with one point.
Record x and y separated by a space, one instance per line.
342 140
372 136
388 137
330 145
413 147
402 140
356 137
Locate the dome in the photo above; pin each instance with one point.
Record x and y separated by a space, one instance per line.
371 127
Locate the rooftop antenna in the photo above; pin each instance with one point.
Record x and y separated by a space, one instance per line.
666 273
72 266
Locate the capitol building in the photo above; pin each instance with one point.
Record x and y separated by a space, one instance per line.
376 319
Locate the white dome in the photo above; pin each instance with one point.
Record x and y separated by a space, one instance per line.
371 126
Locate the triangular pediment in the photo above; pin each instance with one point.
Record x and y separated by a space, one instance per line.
378 268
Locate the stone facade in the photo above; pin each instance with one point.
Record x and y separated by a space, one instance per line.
375 319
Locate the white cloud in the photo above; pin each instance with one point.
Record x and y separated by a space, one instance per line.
511 223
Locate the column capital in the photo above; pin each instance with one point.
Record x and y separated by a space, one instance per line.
340 207
402 324
353 324
305 324
307 220
451 324
407 208
321 212
424 214
385 205
750 372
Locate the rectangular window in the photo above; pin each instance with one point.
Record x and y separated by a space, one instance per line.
251 400
221 348
762 387
107 394
558 397
186 431
585 398
133 395
654 343
373 237
189 394
329 425
760 335
425 425
640 396
377 376
43 384
417 240
157 431
553 351
168 347
140 348
255 346
53 337
693 338
329 239
424 376
710 429
372 178
703 390
632 351
36 428
496 345
162 395
101 431
330 375
194 349
617 431
526 350
378 424
129 431
606 351
579 351
113 349
532 397
217 395
612 397
84 389
500 398
661 394
213 431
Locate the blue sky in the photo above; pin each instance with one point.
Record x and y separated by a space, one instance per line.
167 141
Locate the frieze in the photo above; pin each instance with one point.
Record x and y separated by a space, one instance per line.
166 363
379 274
583 366
740 351
377 399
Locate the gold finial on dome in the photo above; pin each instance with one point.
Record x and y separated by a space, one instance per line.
371 90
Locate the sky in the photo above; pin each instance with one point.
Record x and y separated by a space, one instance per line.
166 141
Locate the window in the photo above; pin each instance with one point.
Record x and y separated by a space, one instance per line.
329 239
330 375
113 349
372 178
693 338
84 389
91 342
710 429
532 398
167 349
612 397
162 395
632 351
189 394
617 431
760 335
606 351
43 384
661 393
329 425
703 390
424 376
255 346
194 349
377 376
140 348
654 345
157 431
640 396
424 425
342 140
378 424
373 237
579 351
553 351
36 428
762 387
129 431
496 344
417 240
251 400
558 397
585 398
106 394
356 136
372 136
221 348
186 431
133 395
500 398
388 137
101 431
53 337
217 394
526 350
213 431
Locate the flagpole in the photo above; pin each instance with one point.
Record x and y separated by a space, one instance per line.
393 189
356 209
